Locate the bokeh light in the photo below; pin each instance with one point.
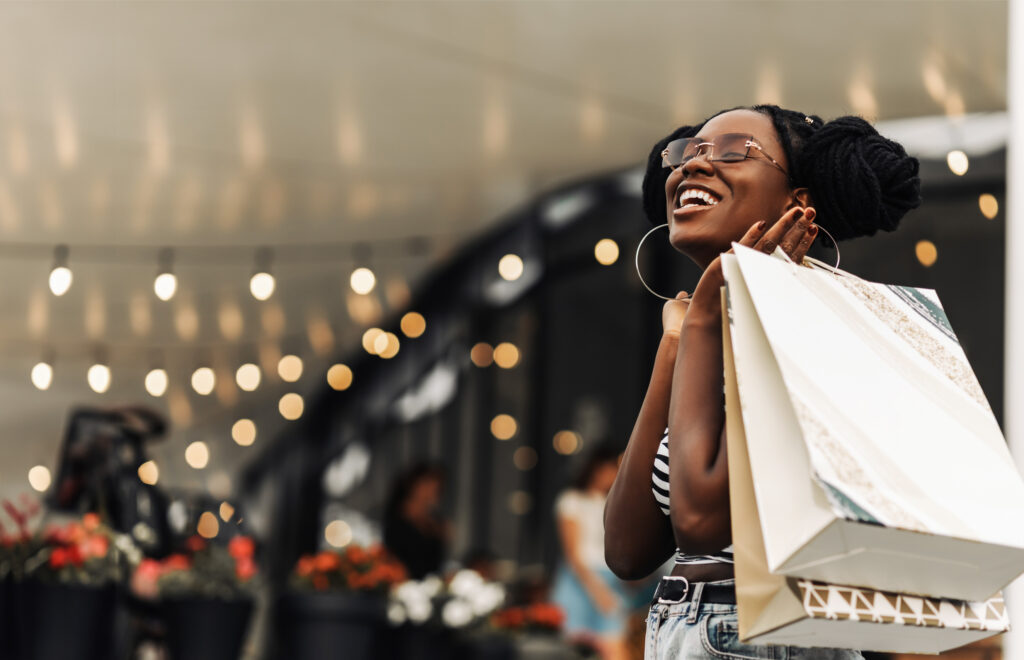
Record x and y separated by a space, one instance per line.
289 368
606 252
156 382
149 473
42 376
482 354
197 455
339 377
338 533
504 427
243 432
208 526
290 406
248 377
413 324
926 253
567 442
262 286
506 355
510 267
203 380
989 205
39 478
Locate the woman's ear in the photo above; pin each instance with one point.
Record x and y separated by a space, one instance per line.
800 197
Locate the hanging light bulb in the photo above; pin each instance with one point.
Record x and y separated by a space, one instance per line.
248 377
166 283
60 275
42 374
203 380
156 382
362 280
262 283
98 377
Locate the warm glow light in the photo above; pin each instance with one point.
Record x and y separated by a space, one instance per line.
413 324
482 354
606 252
338 533
149 473
208 526
203 380
519 502
165 285
957 161
289 368
506 355
339 377
362 280
525 458
503 426
99 378
60 280
989 205
370 340
567 442
262 286
156 382
243 432
510 267
391 345
197 455
290 406
926 252
39 478
226 511
42 376
248 377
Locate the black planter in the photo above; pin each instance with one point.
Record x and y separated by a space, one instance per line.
10 631
206 628
312 626
67 622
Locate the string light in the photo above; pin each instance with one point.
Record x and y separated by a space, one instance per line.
262 283
339 377
166 283
208 526
203 380
510 267
42 375
338 533
370 340
197 455
957 161
525 458
98 377
504 427
413 324
226 511
567 442
482 354
289 368
926 253
248 377
606 252
989 205
362 280
156 382
243 432
506 355
39 478
149 473
290 406
60 276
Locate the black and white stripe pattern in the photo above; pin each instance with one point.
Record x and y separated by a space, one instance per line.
659 486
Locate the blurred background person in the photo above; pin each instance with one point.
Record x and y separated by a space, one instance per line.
414 530
596 603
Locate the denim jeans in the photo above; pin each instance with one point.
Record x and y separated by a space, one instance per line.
710 631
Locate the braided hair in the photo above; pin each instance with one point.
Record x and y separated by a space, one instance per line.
860 181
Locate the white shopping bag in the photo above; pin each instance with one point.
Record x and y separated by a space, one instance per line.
876 459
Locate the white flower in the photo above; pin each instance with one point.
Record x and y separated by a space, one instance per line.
418 610
456 613
396 614
431 585
465 583
487 598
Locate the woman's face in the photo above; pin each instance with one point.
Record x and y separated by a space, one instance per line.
747 191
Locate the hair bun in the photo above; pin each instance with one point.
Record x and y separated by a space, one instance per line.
860 181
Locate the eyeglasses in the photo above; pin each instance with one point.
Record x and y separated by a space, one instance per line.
727 148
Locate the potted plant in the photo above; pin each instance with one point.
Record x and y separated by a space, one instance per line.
206 595
337 601
70 572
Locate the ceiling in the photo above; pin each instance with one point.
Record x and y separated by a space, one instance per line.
337 132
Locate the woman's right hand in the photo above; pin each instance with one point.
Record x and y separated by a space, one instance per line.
794 232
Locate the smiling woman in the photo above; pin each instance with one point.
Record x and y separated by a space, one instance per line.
764 177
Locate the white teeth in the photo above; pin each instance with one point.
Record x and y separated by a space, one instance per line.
695 194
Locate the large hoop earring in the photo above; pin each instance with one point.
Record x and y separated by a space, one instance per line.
640 275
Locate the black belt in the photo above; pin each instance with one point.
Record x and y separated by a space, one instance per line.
674 589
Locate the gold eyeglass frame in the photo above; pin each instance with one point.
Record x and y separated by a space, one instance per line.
751 142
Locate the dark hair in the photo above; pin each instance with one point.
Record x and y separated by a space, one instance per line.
403 484
595 459
860 181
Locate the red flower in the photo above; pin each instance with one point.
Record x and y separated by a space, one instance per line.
75 556
327 561
95 546
241 547
91 522
245 568
195 544
320 582
177 563
305 566
58 558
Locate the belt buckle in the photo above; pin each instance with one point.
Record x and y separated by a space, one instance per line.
686 591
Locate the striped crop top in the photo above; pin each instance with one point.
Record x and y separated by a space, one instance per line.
659 485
